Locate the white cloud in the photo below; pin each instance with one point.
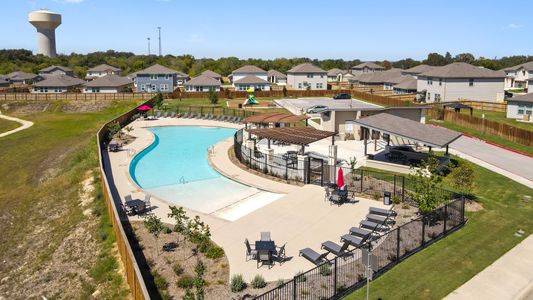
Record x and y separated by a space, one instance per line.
513 26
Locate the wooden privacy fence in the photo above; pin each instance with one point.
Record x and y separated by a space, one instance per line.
73 96
511 133
131 267
481 105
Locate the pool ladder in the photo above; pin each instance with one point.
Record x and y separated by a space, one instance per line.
182 180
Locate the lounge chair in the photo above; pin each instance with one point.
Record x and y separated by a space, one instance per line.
165 115
158 115
373 226
380 219
173 115
313 256
335 248
361 232
381 211
250 253
352 240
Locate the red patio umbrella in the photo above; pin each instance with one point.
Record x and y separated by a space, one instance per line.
144 108
340 178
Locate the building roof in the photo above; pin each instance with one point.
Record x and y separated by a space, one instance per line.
528 66
407 82
418 69
59 81
211 74
53 67
251 80
292 135
335 72
522 98
103 68
427 134
389 76
306 68
203 80
249 69
272 117
157 69
368 64
19 75
462 70
276 73
4 79
181 75
111 80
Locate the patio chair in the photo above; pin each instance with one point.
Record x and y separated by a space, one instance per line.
265 236
264 258
165 115
147 204
281 256
335 248
250 253
382 211
313 256
127 198
173 115
352 240
373 226
158 115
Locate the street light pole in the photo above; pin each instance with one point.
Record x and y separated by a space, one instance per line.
159 29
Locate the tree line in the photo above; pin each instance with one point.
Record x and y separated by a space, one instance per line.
23 60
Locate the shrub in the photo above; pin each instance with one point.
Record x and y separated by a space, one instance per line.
214 252
280 283
396 199
463 177
167 230
185 282
237 283
258 282
212 96
376 196
178 269
199 269
188 295
160 281
300 277
325 270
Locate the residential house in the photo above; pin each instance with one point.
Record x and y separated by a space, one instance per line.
520 107
414 71
384 79
461 81
212 74
247 71
108 84
406 85
57 84
156 78
101 70
517 77
56 70
335 75
251 82
276 77
181 78
202 83
4 81
22 78
366 67
307 76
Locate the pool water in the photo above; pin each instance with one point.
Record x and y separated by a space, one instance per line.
175 168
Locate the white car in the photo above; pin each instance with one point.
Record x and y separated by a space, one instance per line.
316 109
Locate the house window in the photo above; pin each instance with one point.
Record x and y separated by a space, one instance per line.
153 77
437 97
429 96
525 109
300 85
471 82
199 88
440 81
319 85
321 76
95 90
430 81
167 77
143 87
154 87
309 75
163 87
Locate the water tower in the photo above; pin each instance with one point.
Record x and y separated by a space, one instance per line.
46 23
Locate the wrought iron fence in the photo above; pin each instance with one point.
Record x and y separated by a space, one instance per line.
343 275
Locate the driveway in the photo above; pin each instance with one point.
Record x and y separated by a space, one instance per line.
521 166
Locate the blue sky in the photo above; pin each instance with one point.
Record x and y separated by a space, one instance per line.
368 30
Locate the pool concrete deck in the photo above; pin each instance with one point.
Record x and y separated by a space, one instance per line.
301 218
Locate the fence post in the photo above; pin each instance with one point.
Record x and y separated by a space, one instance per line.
362 171
287 170
335 276
294 288
423 230
250 158
398 243
445 217
307 168
394 189
462 208
403 188
266 166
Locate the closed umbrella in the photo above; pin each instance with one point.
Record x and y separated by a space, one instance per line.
340 178
144 108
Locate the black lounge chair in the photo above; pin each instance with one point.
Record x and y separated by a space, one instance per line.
313 256
377 218
361 232
250 253
373 226
381 211
352 240
173 115
335 248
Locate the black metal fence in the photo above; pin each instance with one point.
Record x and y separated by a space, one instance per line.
342 275
215 110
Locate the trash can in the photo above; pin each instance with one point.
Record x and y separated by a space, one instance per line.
386 198
240 105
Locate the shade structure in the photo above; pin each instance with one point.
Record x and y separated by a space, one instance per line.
340 178
292 135
273 117
144 108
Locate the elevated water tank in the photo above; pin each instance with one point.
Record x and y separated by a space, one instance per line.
46 23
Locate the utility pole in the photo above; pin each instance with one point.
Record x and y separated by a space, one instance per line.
159 29
148 45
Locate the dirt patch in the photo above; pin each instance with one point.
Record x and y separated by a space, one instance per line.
473 206
72 106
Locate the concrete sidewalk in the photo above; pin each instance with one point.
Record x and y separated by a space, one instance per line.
510 277
25 124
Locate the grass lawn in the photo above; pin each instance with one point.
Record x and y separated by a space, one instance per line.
486 136
444 266
499 117
46 240
7 125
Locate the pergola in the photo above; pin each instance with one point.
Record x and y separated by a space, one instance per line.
457 106
267 118
293 135
429 135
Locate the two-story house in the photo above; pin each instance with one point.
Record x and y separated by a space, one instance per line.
414 71
156 78
56 70
250 76
276 77
517 77
101 70
366 67
461 81
307 76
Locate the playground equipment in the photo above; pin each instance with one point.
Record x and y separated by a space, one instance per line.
251 98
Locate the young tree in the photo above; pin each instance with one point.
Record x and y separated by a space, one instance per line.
158 100
425 185
154 226
463 177
212 96
199 281
114 128
179 215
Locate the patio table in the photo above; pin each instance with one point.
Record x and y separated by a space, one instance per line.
265 246
135 204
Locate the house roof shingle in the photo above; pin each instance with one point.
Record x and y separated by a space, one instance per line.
418 69
157 69
335 72
53 67
306 68
19 75
250 69
389 76
276 73
462 70
522 98
251 80
368 64
59 81
406 82
203 80
103 68
111 80
528 66
211 74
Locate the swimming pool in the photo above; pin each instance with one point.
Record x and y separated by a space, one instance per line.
175 168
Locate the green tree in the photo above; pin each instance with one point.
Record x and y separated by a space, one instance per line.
154 226
212 96
463 177
181 219
465 57
114 129
435 59
425 182
158 100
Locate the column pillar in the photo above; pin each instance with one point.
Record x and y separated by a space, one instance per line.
332 162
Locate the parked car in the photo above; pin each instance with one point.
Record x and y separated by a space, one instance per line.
316 109
342 96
